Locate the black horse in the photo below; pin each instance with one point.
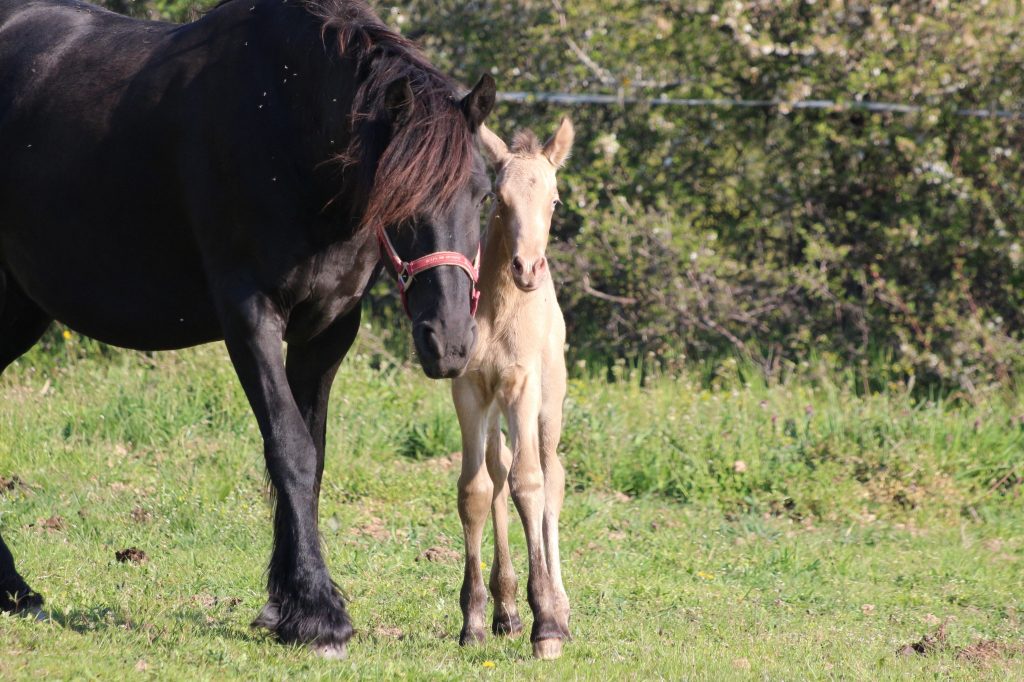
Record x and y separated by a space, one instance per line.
163 186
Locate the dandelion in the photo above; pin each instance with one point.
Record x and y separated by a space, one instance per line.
66 335
488 664
483 566
704 575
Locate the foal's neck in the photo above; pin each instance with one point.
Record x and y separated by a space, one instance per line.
496 285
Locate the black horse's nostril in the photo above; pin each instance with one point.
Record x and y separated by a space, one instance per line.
432 343
517 265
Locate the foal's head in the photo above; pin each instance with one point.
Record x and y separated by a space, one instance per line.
526 194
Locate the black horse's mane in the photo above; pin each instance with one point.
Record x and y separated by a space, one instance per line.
425 162
430 157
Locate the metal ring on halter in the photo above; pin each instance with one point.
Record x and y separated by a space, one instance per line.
406 271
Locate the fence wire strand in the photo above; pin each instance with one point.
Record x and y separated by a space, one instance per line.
571 99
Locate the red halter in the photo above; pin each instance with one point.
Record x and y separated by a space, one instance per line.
405 271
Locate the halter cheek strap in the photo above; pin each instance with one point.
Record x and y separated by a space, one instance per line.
406 271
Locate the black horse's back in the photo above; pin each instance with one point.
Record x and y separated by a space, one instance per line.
122 139
88 128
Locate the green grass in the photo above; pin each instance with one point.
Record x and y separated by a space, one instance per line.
851 528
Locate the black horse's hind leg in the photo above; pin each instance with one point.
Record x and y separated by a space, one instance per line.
304 605
21 325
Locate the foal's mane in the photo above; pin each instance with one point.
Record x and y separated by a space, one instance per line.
429 158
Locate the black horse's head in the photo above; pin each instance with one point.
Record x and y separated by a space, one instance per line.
432 215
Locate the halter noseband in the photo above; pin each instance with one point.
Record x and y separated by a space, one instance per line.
406 271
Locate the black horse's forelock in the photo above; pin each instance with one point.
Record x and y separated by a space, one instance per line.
425 162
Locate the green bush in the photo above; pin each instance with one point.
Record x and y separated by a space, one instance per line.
776 233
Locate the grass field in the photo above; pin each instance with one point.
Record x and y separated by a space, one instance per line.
713 530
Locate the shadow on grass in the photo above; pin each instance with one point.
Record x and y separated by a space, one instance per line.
101 618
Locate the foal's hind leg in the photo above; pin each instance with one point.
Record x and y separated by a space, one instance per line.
503 578
21 325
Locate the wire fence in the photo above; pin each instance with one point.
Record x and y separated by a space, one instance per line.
827 104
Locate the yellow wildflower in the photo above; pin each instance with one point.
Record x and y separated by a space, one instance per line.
704 575
67 335
488 664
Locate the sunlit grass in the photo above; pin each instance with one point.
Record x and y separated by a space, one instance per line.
745 531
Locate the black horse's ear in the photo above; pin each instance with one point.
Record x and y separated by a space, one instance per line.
398 99
479 102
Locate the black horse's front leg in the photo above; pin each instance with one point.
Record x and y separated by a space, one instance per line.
304 605
311 369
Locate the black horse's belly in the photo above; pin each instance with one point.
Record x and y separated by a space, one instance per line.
148 296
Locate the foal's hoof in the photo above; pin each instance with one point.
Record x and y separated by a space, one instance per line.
471 637
547 649
331 652
510 626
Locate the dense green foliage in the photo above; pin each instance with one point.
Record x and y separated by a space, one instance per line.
853 526
774 232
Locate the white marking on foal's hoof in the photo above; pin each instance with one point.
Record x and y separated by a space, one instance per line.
332 652
547 649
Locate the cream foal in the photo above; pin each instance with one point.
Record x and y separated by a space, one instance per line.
517 369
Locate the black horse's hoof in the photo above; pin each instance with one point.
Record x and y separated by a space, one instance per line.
322 624
22 600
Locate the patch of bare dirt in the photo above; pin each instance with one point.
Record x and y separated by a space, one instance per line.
385 632
928 645
209 601
439 555
990 651
132 555
374 528
54 523
447 462
9 485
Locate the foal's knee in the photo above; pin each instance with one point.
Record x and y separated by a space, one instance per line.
475 496
525 483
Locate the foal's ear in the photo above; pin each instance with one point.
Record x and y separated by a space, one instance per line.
398 99
479 102
558 147
494 149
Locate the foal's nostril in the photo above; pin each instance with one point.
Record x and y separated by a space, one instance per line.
517 265
539 266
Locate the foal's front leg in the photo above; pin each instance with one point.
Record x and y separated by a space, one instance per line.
304 606
550 424
521 398
475 493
